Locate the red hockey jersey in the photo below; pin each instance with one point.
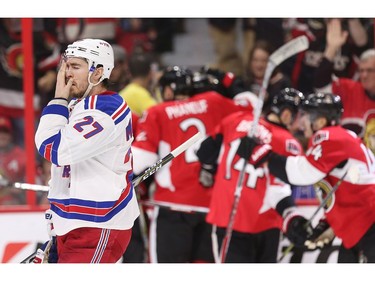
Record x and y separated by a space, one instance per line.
164 127
261 191
351 210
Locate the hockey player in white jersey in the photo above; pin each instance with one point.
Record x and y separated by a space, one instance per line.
86 132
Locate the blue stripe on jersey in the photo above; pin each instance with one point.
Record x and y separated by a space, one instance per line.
93 218
106 103
51 140
86 104
122 116
130 178
85 203
55 148
56 109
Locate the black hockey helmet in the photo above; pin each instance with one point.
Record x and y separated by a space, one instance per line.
289 98
324 105
178 78
203 82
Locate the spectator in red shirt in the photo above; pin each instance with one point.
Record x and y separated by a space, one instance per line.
12 165
358 97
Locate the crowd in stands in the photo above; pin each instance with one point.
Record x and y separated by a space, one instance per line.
340 59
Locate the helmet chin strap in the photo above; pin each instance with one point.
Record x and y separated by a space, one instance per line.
91 85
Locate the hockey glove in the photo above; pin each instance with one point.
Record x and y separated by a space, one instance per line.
321 237
228 84
47 253
247 146
207 175
225 78
252 150
296 229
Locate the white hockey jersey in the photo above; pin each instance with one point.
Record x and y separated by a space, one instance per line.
90 151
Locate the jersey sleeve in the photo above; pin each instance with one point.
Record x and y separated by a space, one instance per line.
326 151
65 141
284 144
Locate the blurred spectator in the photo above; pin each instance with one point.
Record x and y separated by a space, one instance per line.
263 29
137 93
72 29
43 178
270 30
161 31
368 24
224 35
149 35
230 57
344 59
133 35
46 58
120 75
12 165
358 97
369 137
255 71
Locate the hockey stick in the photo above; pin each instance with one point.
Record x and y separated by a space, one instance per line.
144 175
30 186
176 207
177 151
353 174
289 49
4 182
30 258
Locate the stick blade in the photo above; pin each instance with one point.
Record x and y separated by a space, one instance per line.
289 49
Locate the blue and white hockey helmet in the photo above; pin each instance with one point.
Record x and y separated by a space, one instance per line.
97 52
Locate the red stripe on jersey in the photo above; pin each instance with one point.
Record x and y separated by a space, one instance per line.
128 158
47 152
89 210
121 110
92 102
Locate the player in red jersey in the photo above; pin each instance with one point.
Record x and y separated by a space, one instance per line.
264 199
332 152
177 236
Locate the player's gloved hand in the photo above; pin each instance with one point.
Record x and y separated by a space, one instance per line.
254 151
225 78
47 253
207 175
228 84
296 229
246 147
321 237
